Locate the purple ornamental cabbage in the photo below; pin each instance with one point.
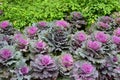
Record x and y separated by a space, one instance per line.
77 40
24 70
5 54
76 15
21 73
104 23
4 24
77 21
6 28
65 63
62 23
22 44
44 68
106 19
109 67
80 36
31 32
94 45
21 41
83 71
57 38
117 32
38 47
67 60
42 24
102 37
116 40
9 60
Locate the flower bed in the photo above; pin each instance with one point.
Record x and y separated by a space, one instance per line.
61 49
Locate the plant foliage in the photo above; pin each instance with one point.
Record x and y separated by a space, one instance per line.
28 11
